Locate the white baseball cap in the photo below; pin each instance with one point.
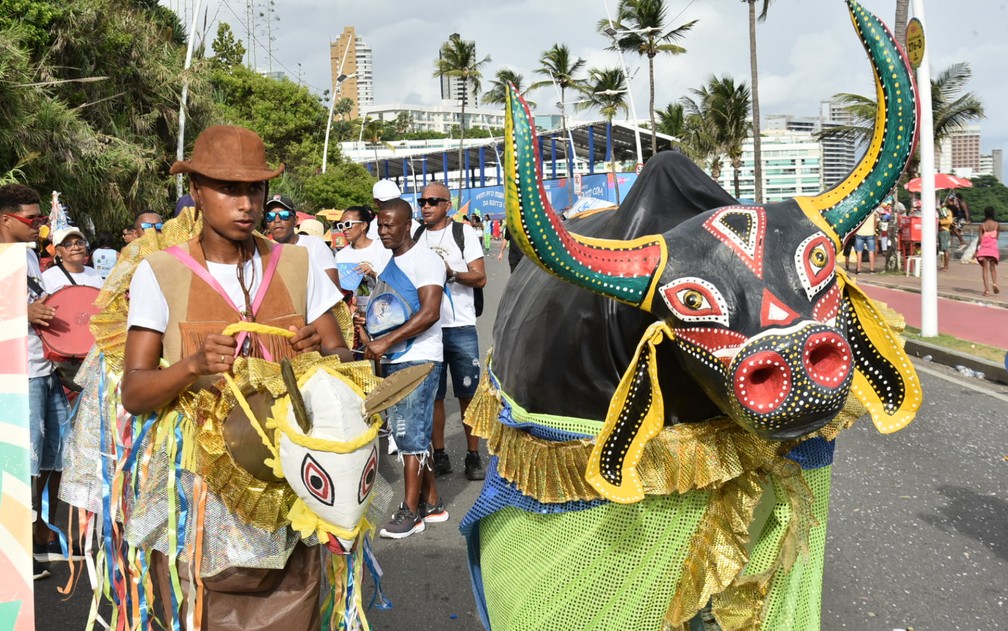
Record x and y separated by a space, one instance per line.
311 227
384 190
59 236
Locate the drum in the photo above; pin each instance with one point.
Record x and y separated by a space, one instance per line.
68 335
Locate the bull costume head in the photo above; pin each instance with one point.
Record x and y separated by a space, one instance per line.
748 297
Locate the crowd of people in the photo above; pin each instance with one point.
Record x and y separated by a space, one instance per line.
173 339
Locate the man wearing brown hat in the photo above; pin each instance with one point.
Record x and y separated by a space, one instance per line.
180 299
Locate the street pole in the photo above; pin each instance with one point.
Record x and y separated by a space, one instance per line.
180 146
337 89
929 218
626 73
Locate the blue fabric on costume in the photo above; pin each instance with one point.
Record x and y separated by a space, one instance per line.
813 453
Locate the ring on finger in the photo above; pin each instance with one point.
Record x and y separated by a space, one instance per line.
222 359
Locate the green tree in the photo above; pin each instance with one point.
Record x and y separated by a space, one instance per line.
498 87
641 28
458 60
563 71
345 184
343 107
403 123
228 51
986 191
92 88
754 78
724 109
605 90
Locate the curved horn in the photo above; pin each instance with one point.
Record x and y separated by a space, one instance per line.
623 270
848 203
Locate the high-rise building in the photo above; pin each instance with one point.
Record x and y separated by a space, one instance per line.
791 166
965 147
350 57
839 154
454 89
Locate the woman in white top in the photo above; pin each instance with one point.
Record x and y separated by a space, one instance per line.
68 264
370 256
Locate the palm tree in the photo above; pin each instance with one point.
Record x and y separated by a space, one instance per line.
757 148
561 70
718 122
606 91
498 88
900 23
952 109
640 28
458 60
374 129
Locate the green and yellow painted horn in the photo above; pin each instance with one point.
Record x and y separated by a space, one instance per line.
624 270
847 204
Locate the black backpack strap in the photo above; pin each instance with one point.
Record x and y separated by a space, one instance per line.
459 236
66 273
419 231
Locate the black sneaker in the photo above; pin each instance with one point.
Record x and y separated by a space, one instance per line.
39 570
433 514
473 467
51 552
442 464
403 524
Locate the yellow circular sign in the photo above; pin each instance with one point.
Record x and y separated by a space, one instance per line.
915 42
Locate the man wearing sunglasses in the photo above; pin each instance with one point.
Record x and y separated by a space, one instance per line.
281 221
465 270
20 219
146 221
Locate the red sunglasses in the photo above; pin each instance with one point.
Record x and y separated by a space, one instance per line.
35 222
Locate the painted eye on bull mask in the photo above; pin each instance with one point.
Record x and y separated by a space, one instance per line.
815 260
693 299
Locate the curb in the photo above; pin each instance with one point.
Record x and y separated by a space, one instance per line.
949 296
946 357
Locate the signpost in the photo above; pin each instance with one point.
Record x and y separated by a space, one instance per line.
915 42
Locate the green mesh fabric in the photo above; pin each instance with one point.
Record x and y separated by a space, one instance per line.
569 424
612 567
795 598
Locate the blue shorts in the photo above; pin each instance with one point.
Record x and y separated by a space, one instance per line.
461 356
864 243
411 421
48 414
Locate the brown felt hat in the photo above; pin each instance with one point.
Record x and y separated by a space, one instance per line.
229 153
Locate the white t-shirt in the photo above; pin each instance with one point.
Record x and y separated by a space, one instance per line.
104 260
423 268
38 365
149 309
460 310
318 251
54 279
375 255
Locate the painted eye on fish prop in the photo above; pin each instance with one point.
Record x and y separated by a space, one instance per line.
317 481
815 260
368 476
693 299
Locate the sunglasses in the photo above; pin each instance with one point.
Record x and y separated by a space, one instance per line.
284 215
35 222
76 243
157 226
431 201
346 225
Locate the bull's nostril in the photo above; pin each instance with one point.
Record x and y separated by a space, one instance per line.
762 382
827 359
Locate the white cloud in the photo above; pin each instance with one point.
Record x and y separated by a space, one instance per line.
807 48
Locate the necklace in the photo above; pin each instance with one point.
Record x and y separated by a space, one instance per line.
437 249
246 288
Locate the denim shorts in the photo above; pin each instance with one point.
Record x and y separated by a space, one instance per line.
864 243
411 421
461 356
48 414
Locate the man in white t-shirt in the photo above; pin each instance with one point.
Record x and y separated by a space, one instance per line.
415 342
20 219
465 271
281 220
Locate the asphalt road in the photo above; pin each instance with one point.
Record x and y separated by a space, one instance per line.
917 537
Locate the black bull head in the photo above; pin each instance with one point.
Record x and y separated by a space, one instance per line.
718 309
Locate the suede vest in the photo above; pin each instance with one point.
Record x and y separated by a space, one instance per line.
195 309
